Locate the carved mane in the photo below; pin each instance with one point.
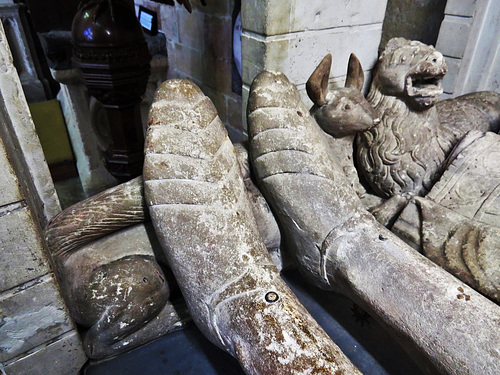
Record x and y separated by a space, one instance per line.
394 156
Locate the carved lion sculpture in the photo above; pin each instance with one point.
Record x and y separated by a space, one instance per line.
445 152
404 155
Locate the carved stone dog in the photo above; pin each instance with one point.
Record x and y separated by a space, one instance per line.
341 112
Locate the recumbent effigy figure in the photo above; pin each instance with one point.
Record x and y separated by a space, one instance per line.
407 152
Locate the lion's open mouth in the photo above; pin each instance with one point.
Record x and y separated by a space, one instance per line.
424 89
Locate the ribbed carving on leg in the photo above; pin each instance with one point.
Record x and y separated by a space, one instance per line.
202 215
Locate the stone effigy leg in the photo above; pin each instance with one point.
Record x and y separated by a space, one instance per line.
340 246
202 216
266 222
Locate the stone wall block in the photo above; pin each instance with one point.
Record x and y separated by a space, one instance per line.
266 18
465 8
191 29
217 74
253 57
62 357
453 36
31 315
275 17
187 62
22 256
297 55
218 37
9 186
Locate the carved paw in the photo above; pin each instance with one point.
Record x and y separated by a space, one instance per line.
388 211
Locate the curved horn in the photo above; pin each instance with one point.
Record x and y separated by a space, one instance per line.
317 84
355 76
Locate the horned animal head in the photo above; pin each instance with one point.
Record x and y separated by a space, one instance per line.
412 71
340 111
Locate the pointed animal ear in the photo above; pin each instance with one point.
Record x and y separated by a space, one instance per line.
317 84
355 76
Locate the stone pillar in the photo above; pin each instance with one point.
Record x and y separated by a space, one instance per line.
37 335
469 38
80 117
22 47
293 36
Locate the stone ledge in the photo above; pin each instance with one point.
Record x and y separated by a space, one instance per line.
22 256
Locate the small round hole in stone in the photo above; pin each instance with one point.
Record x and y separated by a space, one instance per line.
272 297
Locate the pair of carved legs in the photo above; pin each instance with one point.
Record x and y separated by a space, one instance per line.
203 218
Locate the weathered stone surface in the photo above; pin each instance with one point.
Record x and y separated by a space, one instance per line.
341 113
31 315
171 318
266 223
233 291
95 217
457 225
110 277
19 137
298 54
62 357
22 255
393 167
404 155
274 17
339 246
478 111
9 186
